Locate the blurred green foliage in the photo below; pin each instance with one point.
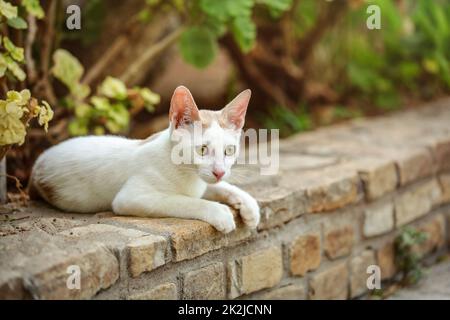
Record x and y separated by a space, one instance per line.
408 57
410 52
108 109
208 20
376 69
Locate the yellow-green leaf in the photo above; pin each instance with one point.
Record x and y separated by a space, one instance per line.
17 23
15 69
34 8
8 10
113 88
67 68
15 52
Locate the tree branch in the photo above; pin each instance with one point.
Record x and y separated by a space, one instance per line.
153 51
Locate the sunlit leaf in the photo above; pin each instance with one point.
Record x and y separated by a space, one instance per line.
113 88
15 52
150 98
17 23
101 103
15 69
8 10
34 8
67 68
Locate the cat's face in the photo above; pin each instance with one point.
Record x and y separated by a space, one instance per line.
216 134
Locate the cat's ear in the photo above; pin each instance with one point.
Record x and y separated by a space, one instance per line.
183 110
234 112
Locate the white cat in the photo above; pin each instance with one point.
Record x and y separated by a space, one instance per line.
139 178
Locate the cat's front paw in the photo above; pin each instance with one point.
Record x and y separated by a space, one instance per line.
248 208
222 218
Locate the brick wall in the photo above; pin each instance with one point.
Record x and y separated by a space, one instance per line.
342 195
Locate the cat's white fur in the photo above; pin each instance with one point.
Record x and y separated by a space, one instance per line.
138 178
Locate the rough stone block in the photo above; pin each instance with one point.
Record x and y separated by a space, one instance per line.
416 201
256 271
379 176
305 253
278 205
205 283
435 232
145 254
378 218
327 189
43 265
338 241
99 269
413 164
331 283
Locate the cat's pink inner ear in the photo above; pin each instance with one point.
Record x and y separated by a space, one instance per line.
183 109
235 111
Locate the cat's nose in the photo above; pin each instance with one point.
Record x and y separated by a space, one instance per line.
218 174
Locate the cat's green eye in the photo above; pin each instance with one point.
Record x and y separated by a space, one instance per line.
202 150
230 150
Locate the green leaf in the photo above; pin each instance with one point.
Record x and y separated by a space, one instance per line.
277 7
244 33
215 9
17 23
198 46
34 8
67 69
8 10
240 8
100 103
223 10
113 88
15 52
150 98
15 69
80 91
118 118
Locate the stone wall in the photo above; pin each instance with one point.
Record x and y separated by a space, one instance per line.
342 195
